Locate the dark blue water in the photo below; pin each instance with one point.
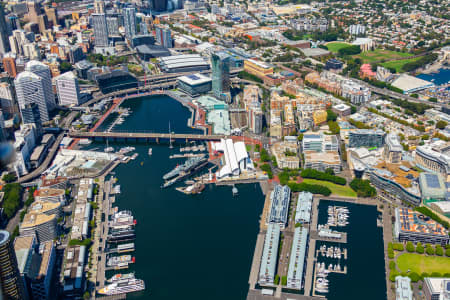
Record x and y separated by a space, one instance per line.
365 278
441 77
187 247
201 247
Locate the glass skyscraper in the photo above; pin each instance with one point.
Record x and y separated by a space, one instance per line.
220 62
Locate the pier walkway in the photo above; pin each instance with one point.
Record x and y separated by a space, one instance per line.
311 247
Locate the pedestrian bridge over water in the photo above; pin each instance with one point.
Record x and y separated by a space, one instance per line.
148 136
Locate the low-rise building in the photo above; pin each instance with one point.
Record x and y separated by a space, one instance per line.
412 226
434 157
436 288
342 109
319 117
40 225
304 205
51 195
286 153
279 205
403 288
432 187
297 258
321 161
366 138
257 68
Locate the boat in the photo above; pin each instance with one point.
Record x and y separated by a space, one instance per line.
85 141
118 277
123 286
196 188
191 166
234 190
150 151
108 149
120 260
126 150
122 219
133 157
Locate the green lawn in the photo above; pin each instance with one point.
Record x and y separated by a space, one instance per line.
378 55
420 263
335 46
340 190
398 64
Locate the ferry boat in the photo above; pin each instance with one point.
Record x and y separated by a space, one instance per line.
189 165
150 151
114 261
118 277
123 286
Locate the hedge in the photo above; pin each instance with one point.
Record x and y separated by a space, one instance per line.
312 188
314 174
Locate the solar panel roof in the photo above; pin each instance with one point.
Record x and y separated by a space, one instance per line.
432 180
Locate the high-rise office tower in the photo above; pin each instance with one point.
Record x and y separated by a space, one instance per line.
31 115
99 6
9 64
129 16
100 30
52 15
159 5
34 10
43 71
164 36
4 41
67 89
220 62
43 23
14 22
11 286
113 26
30 89
75 54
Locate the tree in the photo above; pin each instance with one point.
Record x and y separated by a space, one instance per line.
284 280
329 171
439 250
414 276
410 247
353 108
420 249
392 265
65 67
9 177
277 279
429 250
331 115
441 124
363 188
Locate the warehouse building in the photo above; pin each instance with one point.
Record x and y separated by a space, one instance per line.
304 205
297 259
236 159
279 205
270 255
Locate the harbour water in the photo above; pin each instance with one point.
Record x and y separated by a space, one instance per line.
201 247
187 247
365 261
438 78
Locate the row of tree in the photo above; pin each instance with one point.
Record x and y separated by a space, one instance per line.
312 188
11 200
326 176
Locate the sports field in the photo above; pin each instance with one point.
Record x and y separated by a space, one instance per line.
340 190
398 64
379 55
420 263
335 46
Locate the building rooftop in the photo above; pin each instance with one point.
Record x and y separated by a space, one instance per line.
43 206
414 222
407 83
432 185
194 79
49 192
36 219
45 250
329 157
